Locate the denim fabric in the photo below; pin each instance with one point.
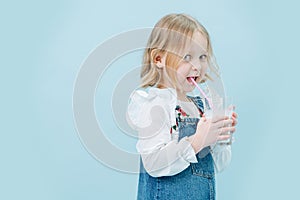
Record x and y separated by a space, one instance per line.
195 182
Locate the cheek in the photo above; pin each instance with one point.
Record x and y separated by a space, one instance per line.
204 69
183 70
181 75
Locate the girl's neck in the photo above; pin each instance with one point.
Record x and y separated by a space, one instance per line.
182 96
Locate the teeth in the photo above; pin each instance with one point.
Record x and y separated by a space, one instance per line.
192 77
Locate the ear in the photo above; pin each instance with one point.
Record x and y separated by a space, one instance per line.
158 58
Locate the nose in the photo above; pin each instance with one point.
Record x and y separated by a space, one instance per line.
200 68
196 67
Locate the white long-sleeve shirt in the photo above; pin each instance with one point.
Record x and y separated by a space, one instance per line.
152 114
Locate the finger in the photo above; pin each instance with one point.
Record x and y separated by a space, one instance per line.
234 114
231 132
234 122
219 118
227 129
223 123
202 119
223 137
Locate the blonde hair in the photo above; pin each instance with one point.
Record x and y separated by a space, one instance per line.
172 27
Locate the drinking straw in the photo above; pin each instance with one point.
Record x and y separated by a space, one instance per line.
203 93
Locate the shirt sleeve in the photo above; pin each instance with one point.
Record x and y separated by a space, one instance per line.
161 153
221 155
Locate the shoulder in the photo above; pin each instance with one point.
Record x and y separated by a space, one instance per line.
153 96
142 102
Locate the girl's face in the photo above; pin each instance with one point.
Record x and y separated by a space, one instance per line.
194 64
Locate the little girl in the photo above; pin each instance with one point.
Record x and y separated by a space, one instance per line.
178 144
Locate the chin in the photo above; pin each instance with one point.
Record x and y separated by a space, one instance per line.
188 88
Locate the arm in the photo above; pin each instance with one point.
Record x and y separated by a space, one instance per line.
162 155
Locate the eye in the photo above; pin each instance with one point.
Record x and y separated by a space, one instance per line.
203 57
187 57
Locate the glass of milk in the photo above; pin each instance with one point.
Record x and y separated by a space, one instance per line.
219 106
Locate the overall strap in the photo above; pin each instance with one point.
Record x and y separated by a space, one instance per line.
199 104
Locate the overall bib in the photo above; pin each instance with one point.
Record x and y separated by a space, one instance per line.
197 182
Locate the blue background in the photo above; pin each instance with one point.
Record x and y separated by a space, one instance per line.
43 45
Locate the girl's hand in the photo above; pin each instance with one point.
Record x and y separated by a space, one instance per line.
209 131
234 117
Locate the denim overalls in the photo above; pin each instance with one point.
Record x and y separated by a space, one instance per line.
195 182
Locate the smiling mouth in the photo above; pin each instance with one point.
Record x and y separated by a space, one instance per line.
192 77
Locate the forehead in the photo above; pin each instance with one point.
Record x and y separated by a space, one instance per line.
198 43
